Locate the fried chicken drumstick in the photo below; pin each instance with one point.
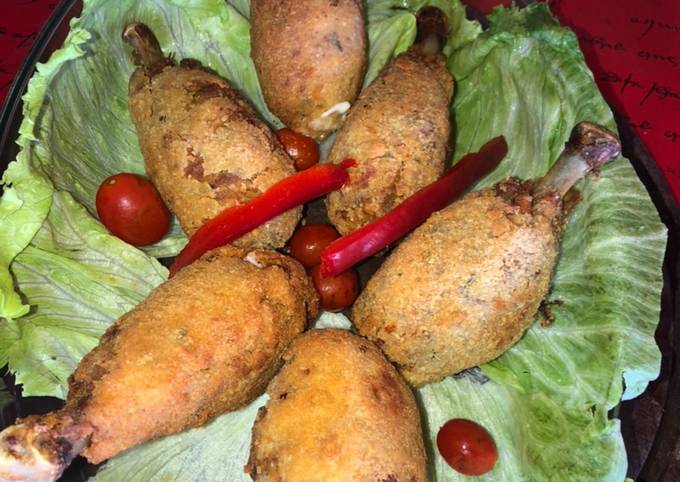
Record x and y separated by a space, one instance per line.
337 411
204 147
464 286
398 130
310 57
205 342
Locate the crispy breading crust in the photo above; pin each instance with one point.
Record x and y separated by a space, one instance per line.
310 55
206 149
205 342
464 286
398 132
337 411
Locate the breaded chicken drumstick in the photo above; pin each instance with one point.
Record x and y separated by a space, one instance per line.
398 130
310 57
204 147
337 411
464 286
205 342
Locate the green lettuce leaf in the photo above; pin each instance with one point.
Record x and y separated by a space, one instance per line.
545 401
243 7
537 438
27 193
614 242
78 279
389 34
392 29
23 207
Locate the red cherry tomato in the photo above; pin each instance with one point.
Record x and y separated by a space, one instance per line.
336 292
131 208
308 242
302 149
467 447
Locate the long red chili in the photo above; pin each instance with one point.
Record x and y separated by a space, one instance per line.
234 222
358 245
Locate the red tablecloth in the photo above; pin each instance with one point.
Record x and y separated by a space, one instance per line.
632 47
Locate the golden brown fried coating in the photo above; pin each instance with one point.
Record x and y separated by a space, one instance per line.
398 132
337 411
205 342
310 56
204 146
463 287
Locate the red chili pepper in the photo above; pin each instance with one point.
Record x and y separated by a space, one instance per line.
234 222
358 245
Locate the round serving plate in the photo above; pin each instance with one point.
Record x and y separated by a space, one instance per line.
650 423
